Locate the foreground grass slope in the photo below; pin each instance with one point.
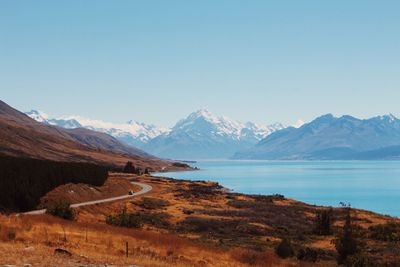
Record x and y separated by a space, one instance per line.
182 223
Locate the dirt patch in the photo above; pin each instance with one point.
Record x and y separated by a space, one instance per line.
116 185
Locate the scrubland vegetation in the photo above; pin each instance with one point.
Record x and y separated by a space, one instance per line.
61 208
182 223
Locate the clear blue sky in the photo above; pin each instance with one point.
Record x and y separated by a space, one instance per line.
157 61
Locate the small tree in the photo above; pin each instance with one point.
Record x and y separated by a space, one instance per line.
124 219
285 249
323 222
346 244
129 168
61 208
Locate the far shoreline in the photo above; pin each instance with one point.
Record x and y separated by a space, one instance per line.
321 203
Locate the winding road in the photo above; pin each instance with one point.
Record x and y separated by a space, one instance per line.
145 188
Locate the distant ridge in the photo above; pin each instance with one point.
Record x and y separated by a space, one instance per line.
131 133
328 137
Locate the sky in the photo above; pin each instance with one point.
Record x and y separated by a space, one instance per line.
157 61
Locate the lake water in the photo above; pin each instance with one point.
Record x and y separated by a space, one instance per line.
371 185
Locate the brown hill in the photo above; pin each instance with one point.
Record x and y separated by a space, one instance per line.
103 141
22 136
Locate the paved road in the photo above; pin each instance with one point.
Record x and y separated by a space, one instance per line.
145 188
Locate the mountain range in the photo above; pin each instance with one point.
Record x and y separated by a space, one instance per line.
131 133
330 138
201 135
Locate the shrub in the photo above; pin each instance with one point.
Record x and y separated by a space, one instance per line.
188 211
249 229
240 204
129 168
307 254
200 191
159 220
197 224
7 233
323 222
220 227
153 203
285 249
359 260
62 209
346 244
255 258
386 232
124 219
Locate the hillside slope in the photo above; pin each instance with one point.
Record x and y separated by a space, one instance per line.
22 136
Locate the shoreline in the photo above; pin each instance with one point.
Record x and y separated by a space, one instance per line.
319 204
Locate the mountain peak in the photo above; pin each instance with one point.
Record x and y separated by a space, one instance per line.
386 118
390 117
205 113
37 115
326 116
323 119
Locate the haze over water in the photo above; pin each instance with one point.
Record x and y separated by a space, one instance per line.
370 185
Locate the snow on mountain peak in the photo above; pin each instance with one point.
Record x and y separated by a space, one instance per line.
224 126
131 130
200 127
37 115
201 113
298 123
391 117
388 117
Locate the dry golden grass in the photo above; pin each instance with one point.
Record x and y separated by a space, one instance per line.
91 241
36 237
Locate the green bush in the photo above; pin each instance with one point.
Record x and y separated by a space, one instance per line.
285 249
323 222
153 203
307 254
240 204
347 244
129 168
359 260
159 220
62 209
124 219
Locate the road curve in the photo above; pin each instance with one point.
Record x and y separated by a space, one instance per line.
145 188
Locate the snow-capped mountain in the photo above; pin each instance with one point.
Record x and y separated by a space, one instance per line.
200 135
131 133
329 137
203 135
38 115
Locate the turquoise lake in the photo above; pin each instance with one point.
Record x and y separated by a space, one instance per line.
370 185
